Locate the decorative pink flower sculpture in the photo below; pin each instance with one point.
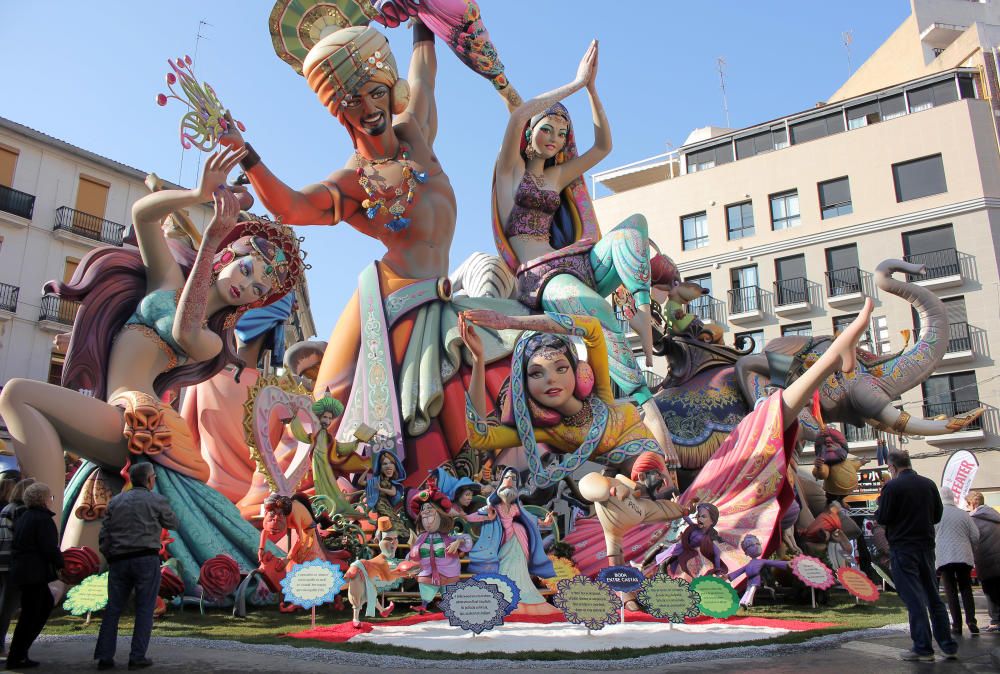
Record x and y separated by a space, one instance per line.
80 563
219 576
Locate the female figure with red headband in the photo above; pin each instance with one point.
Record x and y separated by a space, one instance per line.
154 317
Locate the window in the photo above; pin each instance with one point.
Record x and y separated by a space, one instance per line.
863 115
797 330
966 86
739 220
892 106
843 275
91 202
694 231
773 139
709 157
758 340
785 210
790 273
745 295
934 248
70 267
8 161
835 197
56 361
919 178
928 96
817 128
951 394
840 323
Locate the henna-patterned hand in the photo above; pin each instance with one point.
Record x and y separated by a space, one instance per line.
217 169
473 342
227 207
585 71
232 138
394 12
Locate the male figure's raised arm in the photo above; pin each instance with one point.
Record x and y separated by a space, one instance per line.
422 109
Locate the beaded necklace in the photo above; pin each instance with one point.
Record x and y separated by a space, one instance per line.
374 205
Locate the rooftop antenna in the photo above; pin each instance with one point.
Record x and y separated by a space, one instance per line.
197 42
720 64
848 37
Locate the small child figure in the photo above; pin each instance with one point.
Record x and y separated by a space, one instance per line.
753 549
698 538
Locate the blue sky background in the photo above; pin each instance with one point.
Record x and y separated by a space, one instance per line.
88 73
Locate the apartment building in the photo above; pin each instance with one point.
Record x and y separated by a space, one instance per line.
57 202
785 222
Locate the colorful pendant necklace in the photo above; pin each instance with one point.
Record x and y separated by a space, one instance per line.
374 205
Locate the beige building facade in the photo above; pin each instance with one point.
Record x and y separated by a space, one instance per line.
784 223
58 202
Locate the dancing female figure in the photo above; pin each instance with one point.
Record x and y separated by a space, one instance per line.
147 326
546 231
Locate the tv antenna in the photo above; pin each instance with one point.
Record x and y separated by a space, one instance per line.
848 38
199 36
720 64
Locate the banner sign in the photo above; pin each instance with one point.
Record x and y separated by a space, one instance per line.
959 473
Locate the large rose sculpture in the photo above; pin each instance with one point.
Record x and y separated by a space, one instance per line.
219 577
80 563
171 584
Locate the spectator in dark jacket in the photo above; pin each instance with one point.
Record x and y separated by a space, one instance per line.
130 541
987 520
955 550
909 507
35 563
10 599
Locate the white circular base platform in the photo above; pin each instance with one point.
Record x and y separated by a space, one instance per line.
527 637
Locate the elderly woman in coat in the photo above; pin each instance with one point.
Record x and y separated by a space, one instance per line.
987 521
956 538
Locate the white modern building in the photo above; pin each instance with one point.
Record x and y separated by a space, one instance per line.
785 221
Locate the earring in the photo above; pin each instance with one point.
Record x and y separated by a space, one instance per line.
529 152
231 320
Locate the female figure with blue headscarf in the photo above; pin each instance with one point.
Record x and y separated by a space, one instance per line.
384 489
554 398
546 231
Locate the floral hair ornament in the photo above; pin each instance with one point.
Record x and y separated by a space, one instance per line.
205 121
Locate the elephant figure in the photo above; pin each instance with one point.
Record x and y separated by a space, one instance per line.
712 386
865 396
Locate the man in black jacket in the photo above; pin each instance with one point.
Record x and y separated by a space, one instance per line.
908 508
35 561
130 541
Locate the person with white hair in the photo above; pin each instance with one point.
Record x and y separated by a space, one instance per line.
955 546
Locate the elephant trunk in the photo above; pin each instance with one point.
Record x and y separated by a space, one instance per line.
914 365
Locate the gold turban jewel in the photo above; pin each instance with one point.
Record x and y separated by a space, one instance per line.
341 63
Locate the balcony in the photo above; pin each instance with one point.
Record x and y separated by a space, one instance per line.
865 437
17 203
844 286
745 304
708 309
8 298
973 431
791 296
79 224
57 313
959 344
943 269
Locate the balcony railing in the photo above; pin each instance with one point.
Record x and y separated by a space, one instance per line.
953 408
58 310
791 291
845 281
959 338
89 226
707 308
20 204
744 300
8 297
939 264
863 434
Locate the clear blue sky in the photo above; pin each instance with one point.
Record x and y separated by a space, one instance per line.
88 73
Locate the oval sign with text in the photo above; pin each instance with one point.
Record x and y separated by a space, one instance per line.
621 578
